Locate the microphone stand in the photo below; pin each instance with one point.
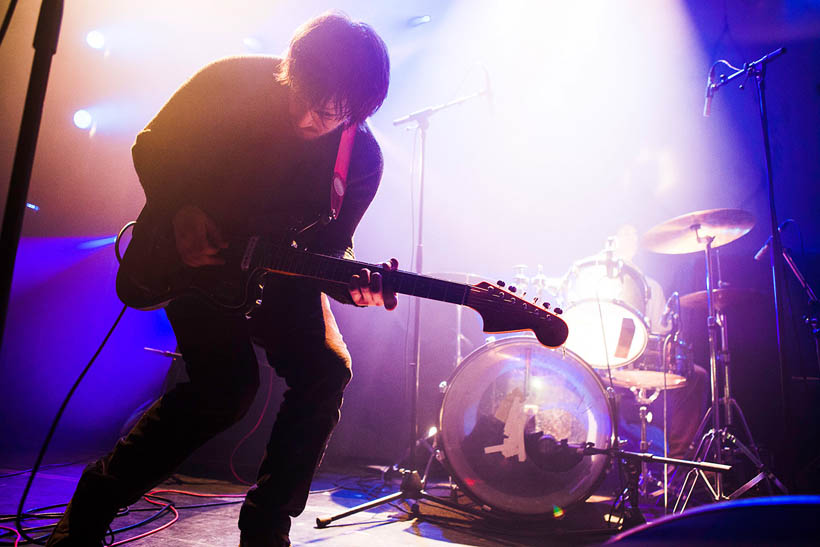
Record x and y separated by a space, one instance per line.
45 46
757 71
812 318
632 462
412 484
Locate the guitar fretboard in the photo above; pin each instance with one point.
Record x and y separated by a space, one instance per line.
291 261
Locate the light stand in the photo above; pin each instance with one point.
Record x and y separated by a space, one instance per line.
412 484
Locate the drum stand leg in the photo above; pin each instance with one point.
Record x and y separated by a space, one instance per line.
646 417
691 478
719 440
632 515
725 441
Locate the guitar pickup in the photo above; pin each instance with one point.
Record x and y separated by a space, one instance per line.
247 257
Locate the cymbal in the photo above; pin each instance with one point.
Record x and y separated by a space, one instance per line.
689 233
724 298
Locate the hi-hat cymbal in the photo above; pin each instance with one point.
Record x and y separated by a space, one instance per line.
724 298
689 233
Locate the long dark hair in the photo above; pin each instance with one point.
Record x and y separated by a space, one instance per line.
333 58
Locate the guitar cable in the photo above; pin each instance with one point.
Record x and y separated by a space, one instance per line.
18 518
119 237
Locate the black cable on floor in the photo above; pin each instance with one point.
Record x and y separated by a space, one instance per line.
18 520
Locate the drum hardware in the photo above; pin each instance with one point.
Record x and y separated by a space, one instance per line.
669 370
520 279
610 292
543 286
644 400
696 232
631 466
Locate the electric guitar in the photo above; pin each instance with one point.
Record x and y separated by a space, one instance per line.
151 275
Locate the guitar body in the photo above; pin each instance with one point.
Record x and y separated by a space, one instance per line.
151 273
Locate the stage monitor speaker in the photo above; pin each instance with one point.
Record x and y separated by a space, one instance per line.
783 520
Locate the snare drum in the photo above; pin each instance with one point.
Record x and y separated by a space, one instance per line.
502 395
648 371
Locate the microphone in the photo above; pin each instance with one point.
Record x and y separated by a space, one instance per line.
669 311
707 105
764 250
551 455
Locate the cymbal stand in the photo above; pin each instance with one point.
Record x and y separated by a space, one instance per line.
719 440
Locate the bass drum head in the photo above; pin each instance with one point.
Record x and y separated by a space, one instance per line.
493 411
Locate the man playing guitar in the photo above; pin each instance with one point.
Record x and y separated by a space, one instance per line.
250 143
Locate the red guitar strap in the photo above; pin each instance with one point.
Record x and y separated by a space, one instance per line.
339 183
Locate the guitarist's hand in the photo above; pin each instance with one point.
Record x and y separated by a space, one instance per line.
198 238
366 289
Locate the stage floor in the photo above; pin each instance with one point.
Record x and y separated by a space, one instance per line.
213 522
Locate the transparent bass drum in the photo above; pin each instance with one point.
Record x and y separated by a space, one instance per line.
505 412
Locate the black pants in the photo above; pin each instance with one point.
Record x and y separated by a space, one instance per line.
303 344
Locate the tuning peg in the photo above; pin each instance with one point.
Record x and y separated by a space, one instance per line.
558 311
513 288
546 305
500 283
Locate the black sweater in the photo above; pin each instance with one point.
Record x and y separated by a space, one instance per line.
224 142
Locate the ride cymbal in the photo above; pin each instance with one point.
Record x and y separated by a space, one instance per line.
690 233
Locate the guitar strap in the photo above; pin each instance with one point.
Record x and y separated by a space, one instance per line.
339 183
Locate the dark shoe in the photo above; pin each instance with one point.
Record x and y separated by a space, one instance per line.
272 539
78 530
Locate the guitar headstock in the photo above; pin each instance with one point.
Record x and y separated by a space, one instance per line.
503 311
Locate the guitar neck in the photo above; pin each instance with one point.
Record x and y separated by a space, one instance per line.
338 270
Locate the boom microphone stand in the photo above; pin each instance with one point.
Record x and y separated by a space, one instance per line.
757 71
412 484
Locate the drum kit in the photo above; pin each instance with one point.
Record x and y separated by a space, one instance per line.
527 430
